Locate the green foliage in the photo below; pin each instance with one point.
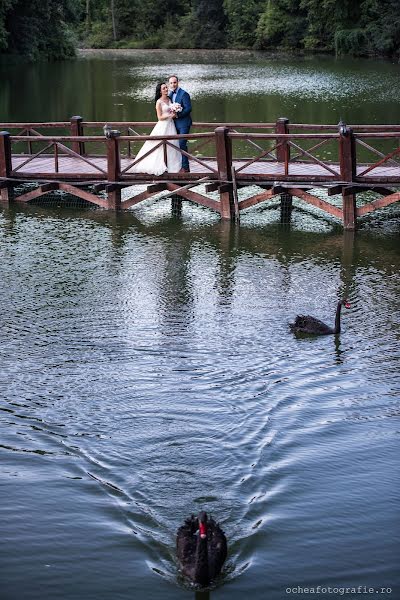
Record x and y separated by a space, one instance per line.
311 42
126 12
378 31
350 41
320 23
271 27
39 28
5 7
325 18
206 24
45 28
242 21
138 24
100 36
282 24
178 33
358 27
381 22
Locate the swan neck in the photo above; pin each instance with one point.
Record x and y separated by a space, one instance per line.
337 319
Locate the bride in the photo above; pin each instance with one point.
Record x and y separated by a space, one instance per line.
158 161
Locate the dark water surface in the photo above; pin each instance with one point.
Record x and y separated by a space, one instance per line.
224 86
147 371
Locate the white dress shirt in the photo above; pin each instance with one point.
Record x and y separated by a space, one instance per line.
174 95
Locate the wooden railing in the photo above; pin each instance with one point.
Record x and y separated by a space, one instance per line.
287 146
225 155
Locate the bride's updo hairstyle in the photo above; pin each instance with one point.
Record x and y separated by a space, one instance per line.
158 91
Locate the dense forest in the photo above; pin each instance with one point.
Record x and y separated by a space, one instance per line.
53 29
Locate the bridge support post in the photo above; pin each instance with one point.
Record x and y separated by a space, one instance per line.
286 207
224 162
77 130
113 173
347 156
283 156
176 205
6 192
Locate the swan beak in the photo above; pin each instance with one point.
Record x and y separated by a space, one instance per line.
202 530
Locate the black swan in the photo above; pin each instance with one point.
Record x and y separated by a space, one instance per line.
307 324
201 548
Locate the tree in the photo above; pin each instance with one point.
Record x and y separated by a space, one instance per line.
208 23
45 28
381 24
325 18
114 29
88 16
5 7
242 21
281 24
40 28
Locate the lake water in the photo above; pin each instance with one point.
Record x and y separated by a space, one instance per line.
224 86
148 370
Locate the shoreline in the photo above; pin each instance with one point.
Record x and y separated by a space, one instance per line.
203 53
228 52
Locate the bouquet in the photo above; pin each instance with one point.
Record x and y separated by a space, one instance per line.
175 107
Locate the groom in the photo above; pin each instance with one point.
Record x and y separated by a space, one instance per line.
183 119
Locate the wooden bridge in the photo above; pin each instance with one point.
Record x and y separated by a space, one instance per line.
280 159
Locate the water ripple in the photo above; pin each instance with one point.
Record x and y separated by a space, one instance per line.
142 383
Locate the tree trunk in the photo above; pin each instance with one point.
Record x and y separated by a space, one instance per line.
113 20
88 17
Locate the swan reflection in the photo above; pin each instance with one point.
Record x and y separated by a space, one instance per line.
202 595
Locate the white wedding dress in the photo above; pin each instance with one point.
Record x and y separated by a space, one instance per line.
154 163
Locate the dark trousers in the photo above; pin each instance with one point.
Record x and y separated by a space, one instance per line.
181 130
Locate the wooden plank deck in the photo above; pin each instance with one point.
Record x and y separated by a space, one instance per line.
70 167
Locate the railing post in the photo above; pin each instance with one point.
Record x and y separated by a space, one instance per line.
5 165
77 130
283 148
113 173
223 145
347 157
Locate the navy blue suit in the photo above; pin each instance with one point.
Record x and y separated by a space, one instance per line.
183 120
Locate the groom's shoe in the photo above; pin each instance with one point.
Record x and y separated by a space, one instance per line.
184 170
